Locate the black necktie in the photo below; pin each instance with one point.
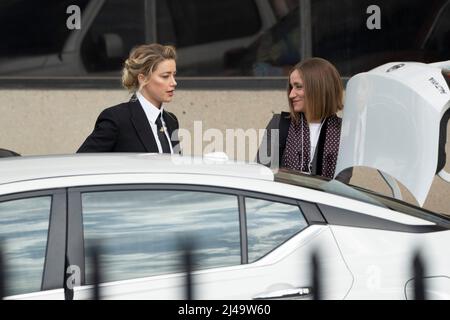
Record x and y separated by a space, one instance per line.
162 136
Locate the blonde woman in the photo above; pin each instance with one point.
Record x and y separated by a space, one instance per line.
141 124
309 133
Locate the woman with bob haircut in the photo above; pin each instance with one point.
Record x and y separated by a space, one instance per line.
309 133
141 124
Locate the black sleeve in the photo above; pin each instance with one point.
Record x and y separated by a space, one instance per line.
174 138
264 155
104 136
175 119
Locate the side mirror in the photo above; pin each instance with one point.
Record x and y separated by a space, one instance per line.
8 153
111 45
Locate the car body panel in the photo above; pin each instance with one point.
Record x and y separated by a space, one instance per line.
382 261
287 267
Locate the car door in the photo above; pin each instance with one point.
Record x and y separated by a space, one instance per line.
284 238
140 229
32 231
244 245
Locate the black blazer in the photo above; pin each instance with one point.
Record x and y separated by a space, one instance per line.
125 128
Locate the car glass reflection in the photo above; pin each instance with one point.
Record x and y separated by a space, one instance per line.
140 231
23 232
269 224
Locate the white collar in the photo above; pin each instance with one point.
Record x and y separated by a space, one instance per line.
315 125
150 110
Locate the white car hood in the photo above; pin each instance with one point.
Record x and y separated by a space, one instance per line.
391 122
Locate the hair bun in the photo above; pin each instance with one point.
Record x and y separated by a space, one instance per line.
144 59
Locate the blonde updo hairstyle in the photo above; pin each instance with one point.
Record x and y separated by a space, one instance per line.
144 59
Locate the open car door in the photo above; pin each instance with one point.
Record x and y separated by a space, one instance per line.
395 120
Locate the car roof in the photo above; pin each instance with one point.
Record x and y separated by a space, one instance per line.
52 166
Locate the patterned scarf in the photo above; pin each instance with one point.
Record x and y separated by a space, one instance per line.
297 155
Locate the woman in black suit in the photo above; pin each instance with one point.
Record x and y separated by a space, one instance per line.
309 134
141 124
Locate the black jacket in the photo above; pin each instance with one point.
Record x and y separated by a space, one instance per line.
125 128
282 122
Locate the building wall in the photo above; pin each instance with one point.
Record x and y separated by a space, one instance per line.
35 122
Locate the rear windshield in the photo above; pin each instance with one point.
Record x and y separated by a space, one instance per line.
357 193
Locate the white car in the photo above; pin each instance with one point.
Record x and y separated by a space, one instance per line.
254 231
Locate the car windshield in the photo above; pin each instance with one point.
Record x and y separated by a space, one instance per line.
34 27
353 192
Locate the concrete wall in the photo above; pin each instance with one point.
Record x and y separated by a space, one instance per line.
34 122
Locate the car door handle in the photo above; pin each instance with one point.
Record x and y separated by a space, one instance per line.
295 293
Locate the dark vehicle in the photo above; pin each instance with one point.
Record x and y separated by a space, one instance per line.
340 31
37 41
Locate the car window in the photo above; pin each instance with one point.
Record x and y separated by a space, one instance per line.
269 224
203 21
113 34
140 230
23 232
354 192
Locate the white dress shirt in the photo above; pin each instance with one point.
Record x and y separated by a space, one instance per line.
152 114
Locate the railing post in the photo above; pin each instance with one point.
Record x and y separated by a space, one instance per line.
2 273
97 271
419 287
187 249
316 274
